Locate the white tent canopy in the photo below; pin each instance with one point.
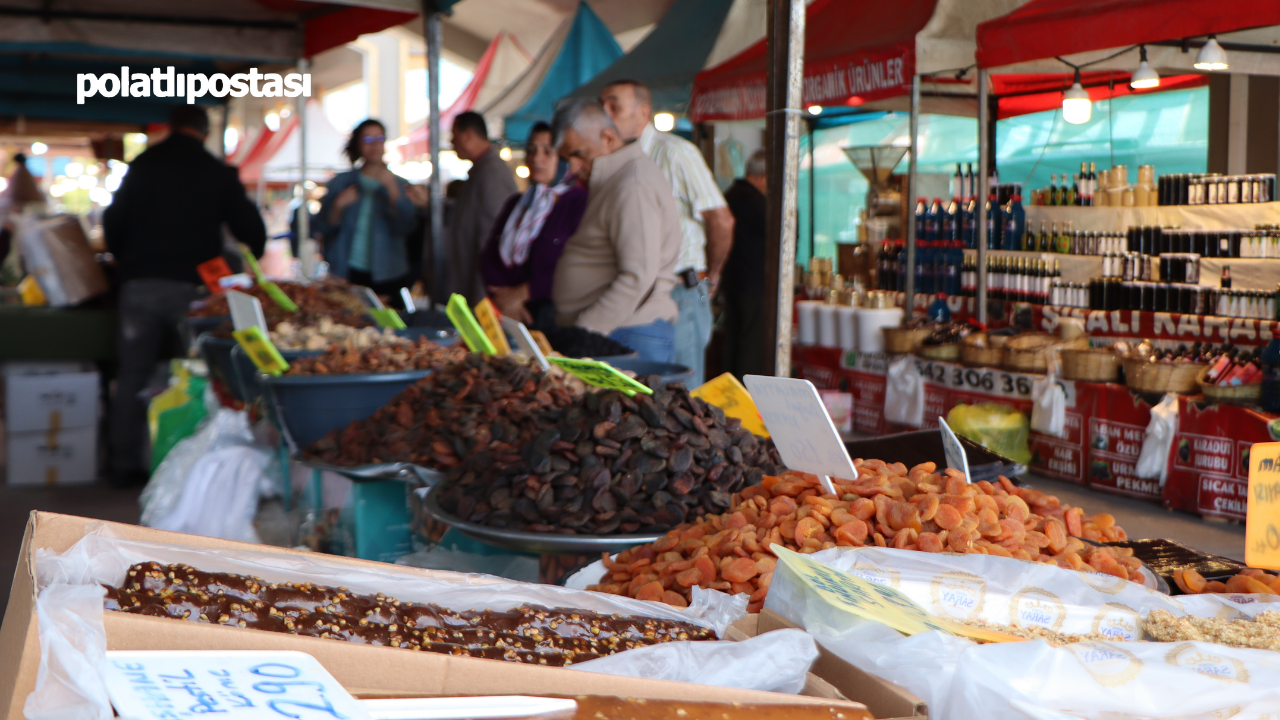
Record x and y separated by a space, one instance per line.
324 150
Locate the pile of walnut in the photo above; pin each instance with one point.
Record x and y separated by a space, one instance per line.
326 333
886 506
1247 581
420 354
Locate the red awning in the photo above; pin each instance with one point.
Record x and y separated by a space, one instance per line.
854 52
329 25
1024 94
251 168
1050 28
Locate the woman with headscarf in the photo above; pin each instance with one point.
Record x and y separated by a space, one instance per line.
519 259
365 216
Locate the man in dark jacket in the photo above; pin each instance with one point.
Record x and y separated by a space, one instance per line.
746 348
165 220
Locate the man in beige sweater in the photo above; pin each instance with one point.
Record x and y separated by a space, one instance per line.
618 269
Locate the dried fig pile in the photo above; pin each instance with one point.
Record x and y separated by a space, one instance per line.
612 464
887 506
494 406
400 354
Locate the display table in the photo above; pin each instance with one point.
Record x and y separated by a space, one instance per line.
1105 426
40 333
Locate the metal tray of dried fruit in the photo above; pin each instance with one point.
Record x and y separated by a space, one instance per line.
415 474
545 543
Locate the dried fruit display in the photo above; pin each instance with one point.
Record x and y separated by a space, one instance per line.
322 298
325 332
404 354
613 464
577 342
528 634
1252 580
887 506
493 406
1260 633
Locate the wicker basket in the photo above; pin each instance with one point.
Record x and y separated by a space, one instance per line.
949 352
979 350
900 340
1229 394
1030 352
1100 365
1162 377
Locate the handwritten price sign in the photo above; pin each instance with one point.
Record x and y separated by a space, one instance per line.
1262 515
250 685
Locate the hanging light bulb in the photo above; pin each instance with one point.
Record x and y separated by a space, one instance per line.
1077 108
1144 77
1211 56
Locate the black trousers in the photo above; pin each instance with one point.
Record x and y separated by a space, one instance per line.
746 347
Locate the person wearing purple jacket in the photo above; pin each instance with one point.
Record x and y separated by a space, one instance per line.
518 262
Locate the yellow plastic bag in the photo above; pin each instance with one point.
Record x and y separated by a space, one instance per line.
172 397
998 428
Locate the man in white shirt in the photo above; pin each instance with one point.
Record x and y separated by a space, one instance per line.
706 225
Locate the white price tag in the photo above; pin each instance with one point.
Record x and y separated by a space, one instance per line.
246 312
238 685
954 450
801 428
525 344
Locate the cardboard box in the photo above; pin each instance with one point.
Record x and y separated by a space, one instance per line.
361 668
883 698
43 396
52 457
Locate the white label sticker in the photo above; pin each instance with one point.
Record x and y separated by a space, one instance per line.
239 685
801 428
954 450
525 344
246 312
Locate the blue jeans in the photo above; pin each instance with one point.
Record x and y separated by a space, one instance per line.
693 328
655 341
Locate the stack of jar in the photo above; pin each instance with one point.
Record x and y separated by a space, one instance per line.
1214 189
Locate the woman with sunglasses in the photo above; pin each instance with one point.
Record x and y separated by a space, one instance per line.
365 216
519 260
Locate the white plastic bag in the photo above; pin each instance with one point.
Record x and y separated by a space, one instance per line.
904 393
776 661
1049 407
1153 461
210 483
72 645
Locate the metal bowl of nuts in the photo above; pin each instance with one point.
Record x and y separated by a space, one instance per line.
553 543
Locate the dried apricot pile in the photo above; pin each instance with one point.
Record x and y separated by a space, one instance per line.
886 506
1246 581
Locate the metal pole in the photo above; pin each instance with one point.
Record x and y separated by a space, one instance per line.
981 192
433 248
909 302
221 139
306 246
783 91
813 212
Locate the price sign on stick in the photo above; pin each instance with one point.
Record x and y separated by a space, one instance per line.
237 685
487 316
801 428
274 292
470 330
387 318
250 261
956 457
726 393
1262 518
246 311
601 375
251 333
213 270
525 344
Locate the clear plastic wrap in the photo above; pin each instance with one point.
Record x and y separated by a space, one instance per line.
72 645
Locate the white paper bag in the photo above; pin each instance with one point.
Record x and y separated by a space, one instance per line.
1049 407
904 393
1153 461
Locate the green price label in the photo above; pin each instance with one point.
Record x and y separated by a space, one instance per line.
470 330
261 351
274 292
251 261
601 375
387 318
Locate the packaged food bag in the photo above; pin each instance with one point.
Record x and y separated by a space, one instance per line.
998 428
904 393
1049 407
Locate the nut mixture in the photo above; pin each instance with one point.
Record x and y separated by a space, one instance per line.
528 634
419 354
1246 581
887 506
294 334
1260 633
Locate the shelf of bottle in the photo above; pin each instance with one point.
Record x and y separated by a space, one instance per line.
1120 219
1246 273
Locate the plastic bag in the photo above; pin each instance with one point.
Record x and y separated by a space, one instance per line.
1153 461
1049 407
210 483
776 661
904 393
995 427
73 644
179 420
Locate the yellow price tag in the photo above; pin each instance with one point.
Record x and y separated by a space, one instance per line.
543 344
470 330
487 316
250 260
387 318
874 601
601 375
261 351
1262 514
274 292
726 393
